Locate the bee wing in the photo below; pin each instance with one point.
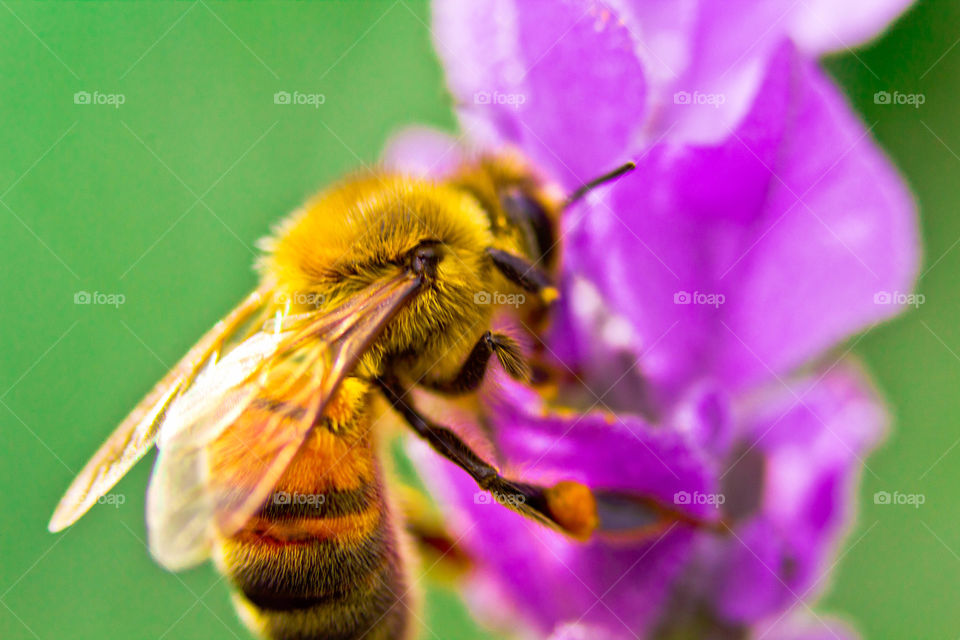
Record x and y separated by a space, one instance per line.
225 452
138 431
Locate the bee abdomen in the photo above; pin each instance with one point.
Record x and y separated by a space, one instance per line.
328 589
335 503
320 565
321 559
371 607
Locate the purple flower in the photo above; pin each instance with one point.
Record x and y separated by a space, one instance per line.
701 296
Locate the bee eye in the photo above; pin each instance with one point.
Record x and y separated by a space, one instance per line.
424 259
528 214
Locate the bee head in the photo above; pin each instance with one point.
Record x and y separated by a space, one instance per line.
373 227
522 207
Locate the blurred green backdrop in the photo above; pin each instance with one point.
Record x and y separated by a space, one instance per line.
162 199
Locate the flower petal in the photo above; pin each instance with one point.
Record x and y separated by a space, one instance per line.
812 438
729 51
561 79
822 26
422 151
528 574
590 632
806 626
746 259
730 44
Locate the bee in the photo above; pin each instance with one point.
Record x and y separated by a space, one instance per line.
269 453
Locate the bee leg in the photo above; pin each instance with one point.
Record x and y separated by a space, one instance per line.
474 369
524 274
569 506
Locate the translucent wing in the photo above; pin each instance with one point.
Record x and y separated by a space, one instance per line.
138 432
222 452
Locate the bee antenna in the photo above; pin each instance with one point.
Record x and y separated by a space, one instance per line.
587 187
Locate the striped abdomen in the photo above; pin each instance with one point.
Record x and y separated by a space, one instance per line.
321 559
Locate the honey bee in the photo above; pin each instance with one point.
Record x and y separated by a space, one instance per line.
266 429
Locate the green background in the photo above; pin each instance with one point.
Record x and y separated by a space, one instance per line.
163 199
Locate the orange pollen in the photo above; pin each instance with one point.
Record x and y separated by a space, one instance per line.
573 507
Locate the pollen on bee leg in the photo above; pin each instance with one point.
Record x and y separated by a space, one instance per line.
573 507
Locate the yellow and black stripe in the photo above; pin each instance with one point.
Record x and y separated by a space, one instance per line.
321 559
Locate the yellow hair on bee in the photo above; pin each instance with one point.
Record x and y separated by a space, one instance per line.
364 227
350 231
273 456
